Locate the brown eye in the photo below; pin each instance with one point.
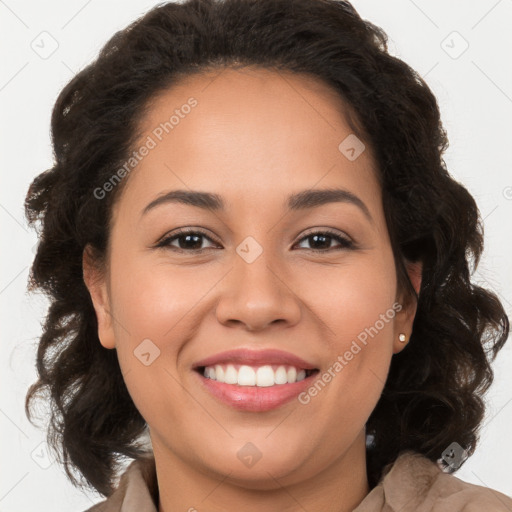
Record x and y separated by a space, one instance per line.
321 241
185 241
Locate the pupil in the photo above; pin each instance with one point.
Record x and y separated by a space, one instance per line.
321 237
188 237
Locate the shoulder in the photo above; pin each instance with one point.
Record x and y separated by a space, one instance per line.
415 483
137 490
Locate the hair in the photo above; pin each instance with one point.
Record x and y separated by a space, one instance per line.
433 395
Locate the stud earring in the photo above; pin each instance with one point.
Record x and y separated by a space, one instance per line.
402 338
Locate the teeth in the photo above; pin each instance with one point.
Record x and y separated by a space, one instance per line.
231 375
246 376
264 376
261 376
281 375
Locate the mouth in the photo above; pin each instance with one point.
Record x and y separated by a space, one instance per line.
260 376
255 388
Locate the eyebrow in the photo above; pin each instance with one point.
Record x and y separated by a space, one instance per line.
303 200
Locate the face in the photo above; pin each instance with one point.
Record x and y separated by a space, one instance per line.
269 276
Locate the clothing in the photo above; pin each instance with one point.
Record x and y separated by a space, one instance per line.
413 484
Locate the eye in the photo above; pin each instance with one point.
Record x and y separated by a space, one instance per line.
185 240
321 241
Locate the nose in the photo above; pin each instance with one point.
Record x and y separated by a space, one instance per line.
257 295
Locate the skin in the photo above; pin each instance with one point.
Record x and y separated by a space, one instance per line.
238 143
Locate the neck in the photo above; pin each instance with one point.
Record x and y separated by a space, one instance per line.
338 488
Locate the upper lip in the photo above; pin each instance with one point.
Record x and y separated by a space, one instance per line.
256 358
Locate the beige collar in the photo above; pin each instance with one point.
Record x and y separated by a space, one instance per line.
413 484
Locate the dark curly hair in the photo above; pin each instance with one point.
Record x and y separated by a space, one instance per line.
433 394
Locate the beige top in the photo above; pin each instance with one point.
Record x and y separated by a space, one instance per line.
414 484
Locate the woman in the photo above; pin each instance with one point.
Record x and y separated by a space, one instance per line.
257 258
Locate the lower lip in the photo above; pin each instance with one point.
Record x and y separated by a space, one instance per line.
254 398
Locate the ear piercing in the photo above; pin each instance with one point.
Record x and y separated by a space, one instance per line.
402 337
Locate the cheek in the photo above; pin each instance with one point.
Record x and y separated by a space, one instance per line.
153 307
359 310
156 310
354 298
151 299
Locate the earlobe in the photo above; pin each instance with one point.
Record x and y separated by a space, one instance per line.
400 342
405 318
96 284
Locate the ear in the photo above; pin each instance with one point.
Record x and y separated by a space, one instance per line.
405 317
96 283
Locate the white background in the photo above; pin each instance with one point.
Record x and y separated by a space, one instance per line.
475 96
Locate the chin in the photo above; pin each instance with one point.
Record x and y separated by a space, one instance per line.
253 469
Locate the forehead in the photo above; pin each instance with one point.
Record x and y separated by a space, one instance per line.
253 130
273 104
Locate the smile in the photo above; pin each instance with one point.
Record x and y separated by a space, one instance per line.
254 389
261 376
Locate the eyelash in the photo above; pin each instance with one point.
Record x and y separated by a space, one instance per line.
345 243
